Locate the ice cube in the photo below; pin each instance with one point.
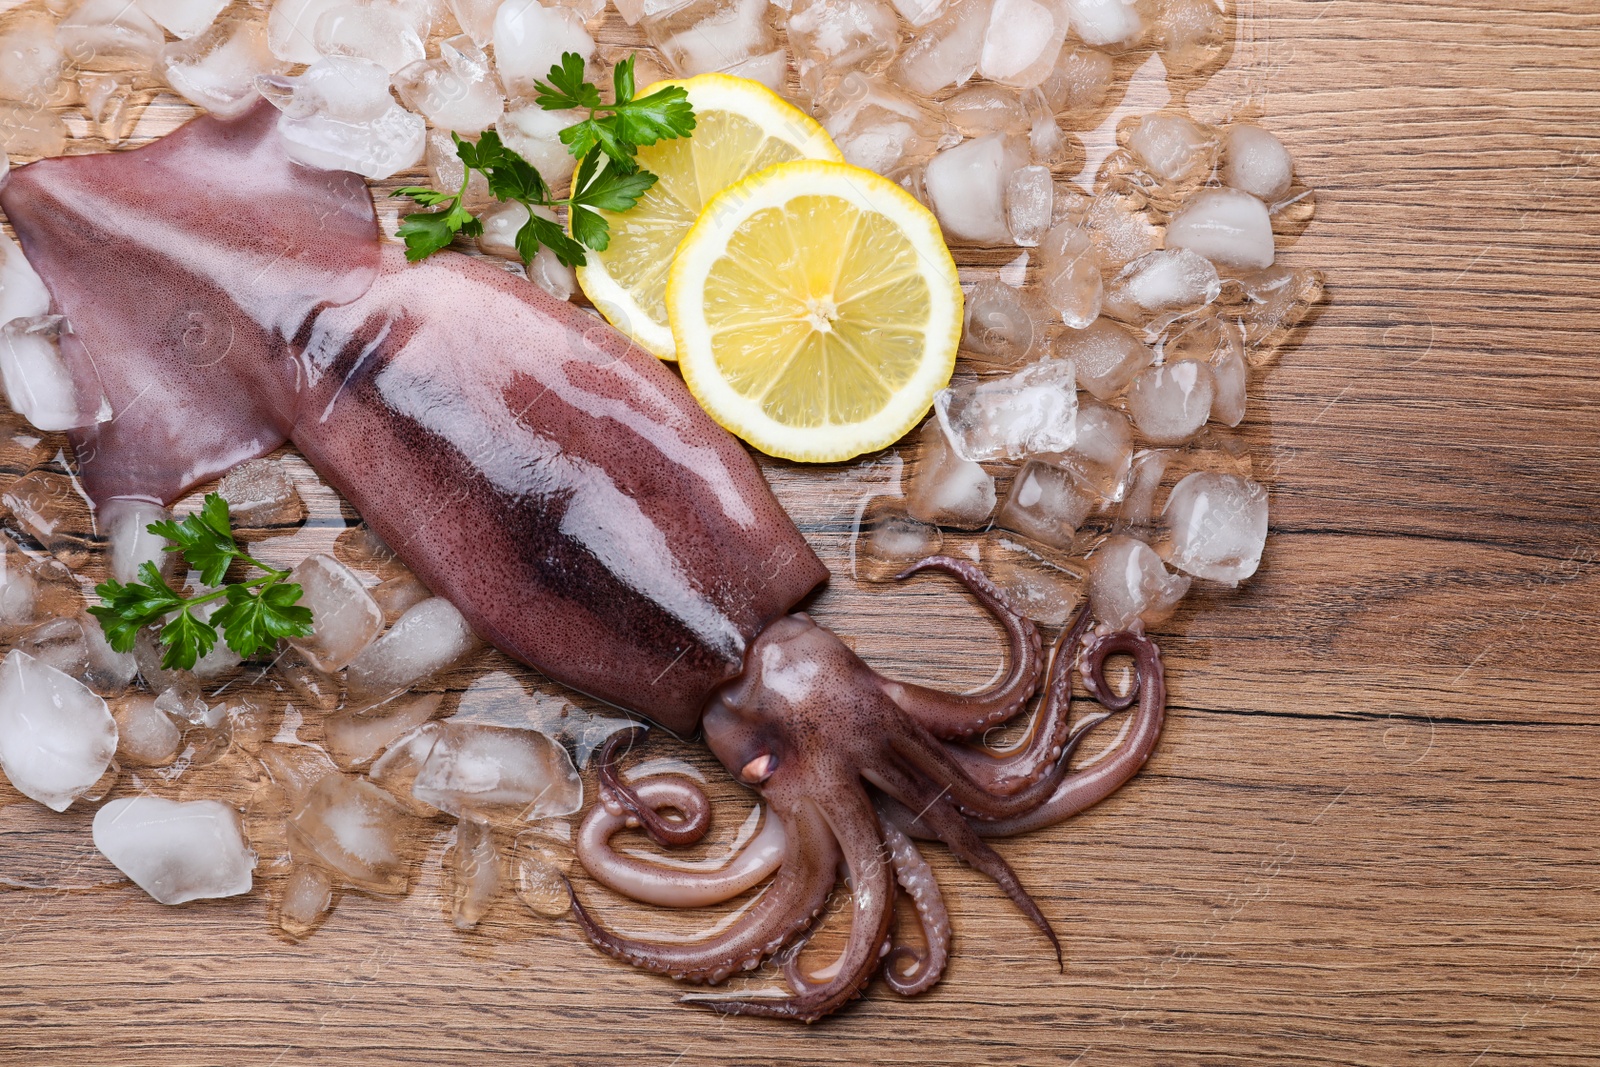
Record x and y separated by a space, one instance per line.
148 652
176 851
311 687
1255 162
476 19
535 135
1228 227
126 525
1170 403
501 224
101 30
476 875
344 616
31 62
876 127
945 489
356 830
1194 34
886 540
1106 357
399 595
967 185
541 875
1171 145
1070 274
58 643
38 385
769 68
356 737
42 503
1102 456
493 771
530 38
146 736
261 493
369 31
292 28
1080 81
1231 374
1177 281
22 292
946 51
1120 230
339 115
1033 410
1047 503
1217 526
1040 588
447 170
707 35
217 70
427 639
457 91
984 108
307 898
1046 139
1129 586
919 13
1105 22
26 130
632 11
835 37
553 276
1212 339
1276 301
56 736
104 96
19 590
183 18
1022 42
107 671
999 325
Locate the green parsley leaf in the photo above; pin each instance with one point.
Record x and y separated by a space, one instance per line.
663 115
541 231
187 639
567 90
252 620
205 538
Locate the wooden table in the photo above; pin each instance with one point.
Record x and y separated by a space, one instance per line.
1369 835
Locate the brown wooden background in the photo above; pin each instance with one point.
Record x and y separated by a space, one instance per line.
1370 834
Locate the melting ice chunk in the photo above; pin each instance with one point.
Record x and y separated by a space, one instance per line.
476 18
292 28
354 828
832 37
706 35
887 540
967 187
58 643
1105 22
30 62
476 873
1171 402
534 134
56 736
1255 162
307 896
1103 453
876 127
1226 226
339 115
185 18
1170 145
1033 410
99 30
1030 196
175 851
22 291
998 323
457 91
146 735
945 489
355 737
1217 526
494 771
344 616
1080 81
381 34
1021 42
1129 586
38 385
1106 357
426 639
261 493
947 51
217 70
1181 280
1039 588
1047 503
132 544
530 38
1070 274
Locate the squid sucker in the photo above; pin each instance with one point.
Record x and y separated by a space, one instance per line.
563 489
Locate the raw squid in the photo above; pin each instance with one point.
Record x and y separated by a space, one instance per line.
564 491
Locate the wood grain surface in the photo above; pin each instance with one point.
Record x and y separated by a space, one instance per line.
1370 835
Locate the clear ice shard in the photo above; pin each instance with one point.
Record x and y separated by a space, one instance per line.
57 737
1031 411
176 851
1216 526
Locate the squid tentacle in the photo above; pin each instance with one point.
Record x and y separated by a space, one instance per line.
935 812
925 968
953 715
1091 784
694 810
671 885
857 830
785 909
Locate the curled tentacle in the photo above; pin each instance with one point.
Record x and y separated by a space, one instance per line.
1091 784
669 885
786 908
951 715
921 969
856 827
933 809
691 805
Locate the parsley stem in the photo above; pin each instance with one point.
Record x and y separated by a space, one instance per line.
271 579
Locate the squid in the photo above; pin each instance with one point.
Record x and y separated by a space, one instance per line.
562 488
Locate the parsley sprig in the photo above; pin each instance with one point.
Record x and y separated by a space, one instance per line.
608 176
257 613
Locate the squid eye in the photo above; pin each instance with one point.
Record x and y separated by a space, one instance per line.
759 769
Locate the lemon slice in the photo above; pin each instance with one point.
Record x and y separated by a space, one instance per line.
741 127
816 310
